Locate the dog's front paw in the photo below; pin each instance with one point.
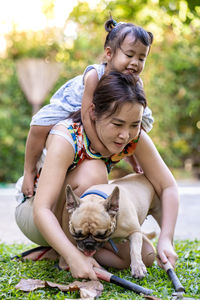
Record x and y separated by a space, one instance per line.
138 270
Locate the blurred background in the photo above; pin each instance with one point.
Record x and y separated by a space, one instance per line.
44 43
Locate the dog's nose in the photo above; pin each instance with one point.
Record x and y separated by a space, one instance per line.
89 245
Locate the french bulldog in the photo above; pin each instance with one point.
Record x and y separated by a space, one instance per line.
96 217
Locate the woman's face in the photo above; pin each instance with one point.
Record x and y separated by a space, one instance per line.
117 130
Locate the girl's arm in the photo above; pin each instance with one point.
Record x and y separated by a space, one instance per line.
165 186
35 143
91 81
60 155
132 160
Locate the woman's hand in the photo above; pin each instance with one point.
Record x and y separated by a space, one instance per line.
166 252
82 266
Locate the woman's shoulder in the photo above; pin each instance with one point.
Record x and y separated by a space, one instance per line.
68 128
62 125
63 129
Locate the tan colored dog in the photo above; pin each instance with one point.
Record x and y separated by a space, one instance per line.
95 218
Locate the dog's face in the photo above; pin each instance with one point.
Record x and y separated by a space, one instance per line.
92 220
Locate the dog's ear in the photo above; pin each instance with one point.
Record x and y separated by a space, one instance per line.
112 202
72 201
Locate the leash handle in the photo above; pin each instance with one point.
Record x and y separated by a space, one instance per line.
109 277
173 277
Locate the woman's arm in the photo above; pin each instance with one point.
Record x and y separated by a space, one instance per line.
60 155
165 186
91 81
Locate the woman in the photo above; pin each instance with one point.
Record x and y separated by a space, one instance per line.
116 110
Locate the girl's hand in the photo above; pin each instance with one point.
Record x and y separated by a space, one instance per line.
166 252
82 266
28 183
132 160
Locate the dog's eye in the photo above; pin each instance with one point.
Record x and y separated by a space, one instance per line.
100 235
78 235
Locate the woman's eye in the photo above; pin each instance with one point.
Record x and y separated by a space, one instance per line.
129 55
117 124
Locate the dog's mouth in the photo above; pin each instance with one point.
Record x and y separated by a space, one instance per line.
88 246
89 252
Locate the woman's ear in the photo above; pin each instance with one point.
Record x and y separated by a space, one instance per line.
92 112
108 53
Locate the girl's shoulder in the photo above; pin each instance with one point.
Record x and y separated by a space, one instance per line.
91 70
90 76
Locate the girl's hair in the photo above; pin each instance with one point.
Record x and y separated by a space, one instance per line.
112 91
117 32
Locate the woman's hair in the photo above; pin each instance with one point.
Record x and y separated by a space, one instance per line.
115 89
112 91
117 32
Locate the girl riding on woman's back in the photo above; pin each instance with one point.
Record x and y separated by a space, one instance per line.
125 50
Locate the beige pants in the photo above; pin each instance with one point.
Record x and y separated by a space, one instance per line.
24 220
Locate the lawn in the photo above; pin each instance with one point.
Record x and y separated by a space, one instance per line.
187 269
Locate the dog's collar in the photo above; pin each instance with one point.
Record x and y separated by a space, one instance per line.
95 192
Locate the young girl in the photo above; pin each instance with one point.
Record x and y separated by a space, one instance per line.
117 108
125 50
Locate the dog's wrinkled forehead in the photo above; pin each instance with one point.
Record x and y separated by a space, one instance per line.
90 220
98 225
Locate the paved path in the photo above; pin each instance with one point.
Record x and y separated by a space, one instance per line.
188 224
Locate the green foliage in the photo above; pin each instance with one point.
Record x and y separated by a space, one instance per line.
171 76
15 117
11 271
14 120
174 96
33 44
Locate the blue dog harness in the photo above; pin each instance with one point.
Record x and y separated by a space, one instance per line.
95 192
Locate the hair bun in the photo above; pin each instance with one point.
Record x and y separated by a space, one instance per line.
110 24
150 36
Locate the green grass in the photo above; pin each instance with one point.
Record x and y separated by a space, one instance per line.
11 271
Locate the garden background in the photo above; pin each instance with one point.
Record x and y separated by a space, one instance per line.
171 76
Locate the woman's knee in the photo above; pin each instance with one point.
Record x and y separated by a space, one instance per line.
90 172
25 222
148 252
96 172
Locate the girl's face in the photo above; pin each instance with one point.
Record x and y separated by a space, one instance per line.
129 58
117 130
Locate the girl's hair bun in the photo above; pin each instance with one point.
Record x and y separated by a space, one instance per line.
110 24
150 36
